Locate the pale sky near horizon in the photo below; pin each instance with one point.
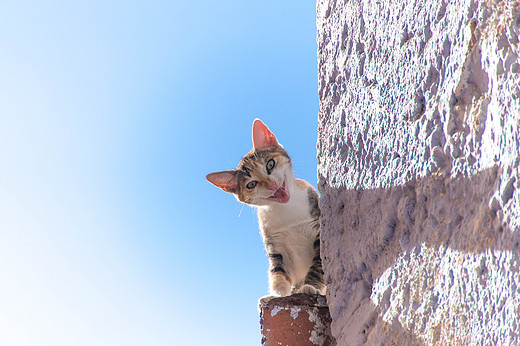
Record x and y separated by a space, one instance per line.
112 113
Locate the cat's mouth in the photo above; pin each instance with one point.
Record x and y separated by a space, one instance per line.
281 195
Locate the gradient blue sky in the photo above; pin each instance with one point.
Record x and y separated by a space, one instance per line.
112 113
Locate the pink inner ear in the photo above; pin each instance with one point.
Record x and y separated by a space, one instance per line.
226 180
262 137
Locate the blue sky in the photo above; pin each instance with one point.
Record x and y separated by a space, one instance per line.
112 113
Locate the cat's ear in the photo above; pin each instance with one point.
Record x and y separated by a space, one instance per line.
226 180
262 137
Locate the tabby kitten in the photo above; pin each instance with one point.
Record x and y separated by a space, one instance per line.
288 214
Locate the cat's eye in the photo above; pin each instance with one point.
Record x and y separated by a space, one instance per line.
251 185
269 166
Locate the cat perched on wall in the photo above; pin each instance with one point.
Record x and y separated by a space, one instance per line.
288 214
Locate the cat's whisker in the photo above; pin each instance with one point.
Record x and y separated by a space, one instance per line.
241 210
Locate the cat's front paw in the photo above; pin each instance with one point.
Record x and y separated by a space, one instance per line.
264 300
308 289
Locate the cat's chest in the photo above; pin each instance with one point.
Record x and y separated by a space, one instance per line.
285 220
288 218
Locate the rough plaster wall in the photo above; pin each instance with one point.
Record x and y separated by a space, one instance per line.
418 149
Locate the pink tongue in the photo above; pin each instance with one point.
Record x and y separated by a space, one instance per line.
281 194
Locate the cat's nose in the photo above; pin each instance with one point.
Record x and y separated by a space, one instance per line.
273 186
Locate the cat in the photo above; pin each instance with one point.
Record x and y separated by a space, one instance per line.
288 214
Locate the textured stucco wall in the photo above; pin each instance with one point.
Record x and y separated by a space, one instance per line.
418 149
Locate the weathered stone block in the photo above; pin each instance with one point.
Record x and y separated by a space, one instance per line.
298 319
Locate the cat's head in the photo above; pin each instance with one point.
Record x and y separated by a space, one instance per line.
264 176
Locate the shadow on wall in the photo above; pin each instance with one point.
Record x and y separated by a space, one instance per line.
370 233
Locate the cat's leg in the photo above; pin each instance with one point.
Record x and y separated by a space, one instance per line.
279 286
280 282
313 283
